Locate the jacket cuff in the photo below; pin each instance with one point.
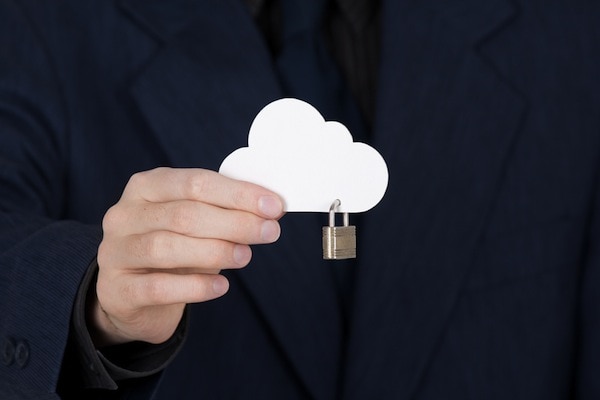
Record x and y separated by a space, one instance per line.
105 368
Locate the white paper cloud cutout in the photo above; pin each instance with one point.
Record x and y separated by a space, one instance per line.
308 161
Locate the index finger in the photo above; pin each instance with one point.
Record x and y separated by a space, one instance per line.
171 184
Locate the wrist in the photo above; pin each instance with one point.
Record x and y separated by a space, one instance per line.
101 328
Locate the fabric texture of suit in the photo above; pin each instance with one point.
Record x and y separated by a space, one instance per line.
478 272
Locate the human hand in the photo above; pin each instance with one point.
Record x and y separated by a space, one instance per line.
164 244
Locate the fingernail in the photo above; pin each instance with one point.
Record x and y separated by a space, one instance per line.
270 206
220 285
241 254
269 231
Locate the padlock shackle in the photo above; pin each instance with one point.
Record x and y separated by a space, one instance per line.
336 203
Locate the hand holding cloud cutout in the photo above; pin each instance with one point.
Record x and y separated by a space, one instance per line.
308 161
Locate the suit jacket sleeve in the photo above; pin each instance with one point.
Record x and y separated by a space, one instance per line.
44 257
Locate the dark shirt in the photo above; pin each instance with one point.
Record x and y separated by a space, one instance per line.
352 35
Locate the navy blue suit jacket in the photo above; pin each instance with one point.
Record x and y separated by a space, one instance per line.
477 275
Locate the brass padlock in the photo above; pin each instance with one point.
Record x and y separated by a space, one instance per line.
339 242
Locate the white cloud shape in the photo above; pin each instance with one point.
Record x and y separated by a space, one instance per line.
308 161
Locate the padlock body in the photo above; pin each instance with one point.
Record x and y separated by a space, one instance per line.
339 242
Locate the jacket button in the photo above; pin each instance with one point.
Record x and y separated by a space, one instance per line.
8 351
22 353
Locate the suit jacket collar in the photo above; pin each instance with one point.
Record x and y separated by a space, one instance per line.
205 80
445 123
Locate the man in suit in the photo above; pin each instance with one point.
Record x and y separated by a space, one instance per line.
476 275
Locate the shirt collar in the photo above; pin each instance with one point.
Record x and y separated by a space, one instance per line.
255 6
357 12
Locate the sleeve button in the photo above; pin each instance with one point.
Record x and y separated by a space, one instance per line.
8 351
22 354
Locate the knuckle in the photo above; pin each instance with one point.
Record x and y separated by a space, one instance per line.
111 256
154 289
142 178
218 254
246 228
239 228
198 184
211 258
138 179
128 295
239 196
112 295
113 217
103 256
181 219
201 285
155 247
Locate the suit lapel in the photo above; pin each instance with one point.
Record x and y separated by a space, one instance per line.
206 82
199 95
446 124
